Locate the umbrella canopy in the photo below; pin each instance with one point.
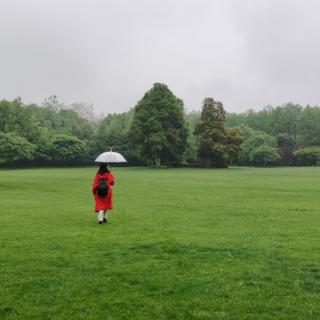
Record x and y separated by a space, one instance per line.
110 157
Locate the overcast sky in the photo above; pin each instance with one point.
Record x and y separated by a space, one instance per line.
245 53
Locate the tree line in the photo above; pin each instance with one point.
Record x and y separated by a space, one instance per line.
279 135
158 131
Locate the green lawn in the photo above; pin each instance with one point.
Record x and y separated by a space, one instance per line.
239 243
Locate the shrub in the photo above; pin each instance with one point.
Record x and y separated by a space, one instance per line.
309 156
67 148
264 155
15 148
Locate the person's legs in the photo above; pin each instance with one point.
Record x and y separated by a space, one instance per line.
105 216
100 216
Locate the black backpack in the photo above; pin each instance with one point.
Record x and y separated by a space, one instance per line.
102 189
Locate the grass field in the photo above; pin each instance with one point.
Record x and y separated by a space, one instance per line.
239 243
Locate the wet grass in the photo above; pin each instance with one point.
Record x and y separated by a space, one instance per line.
240 243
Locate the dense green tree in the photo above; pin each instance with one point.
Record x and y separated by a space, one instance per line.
112 133
286 146
45 117
264 155
14 117
235 120
191 153
43 145
63 121
158 131
30 129
217 145
14 148
254 139
234 144
68 148
309 126
73 124
288 122
284 119
309 156
263 120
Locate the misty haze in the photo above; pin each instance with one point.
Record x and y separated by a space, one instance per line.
247 54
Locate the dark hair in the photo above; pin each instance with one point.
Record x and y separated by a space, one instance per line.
103 168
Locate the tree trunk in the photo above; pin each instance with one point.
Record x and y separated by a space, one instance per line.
157 159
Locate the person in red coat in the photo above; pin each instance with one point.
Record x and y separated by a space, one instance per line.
103 202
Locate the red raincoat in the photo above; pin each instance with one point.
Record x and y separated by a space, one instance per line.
103 202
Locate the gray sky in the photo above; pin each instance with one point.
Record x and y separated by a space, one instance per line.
245 53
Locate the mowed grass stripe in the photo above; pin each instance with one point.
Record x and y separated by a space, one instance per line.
240 243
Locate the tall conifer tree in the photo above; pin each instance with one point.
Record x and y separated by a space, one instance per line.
217 146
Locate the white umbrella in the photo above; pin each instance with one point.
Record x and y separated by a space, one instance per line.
110 157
